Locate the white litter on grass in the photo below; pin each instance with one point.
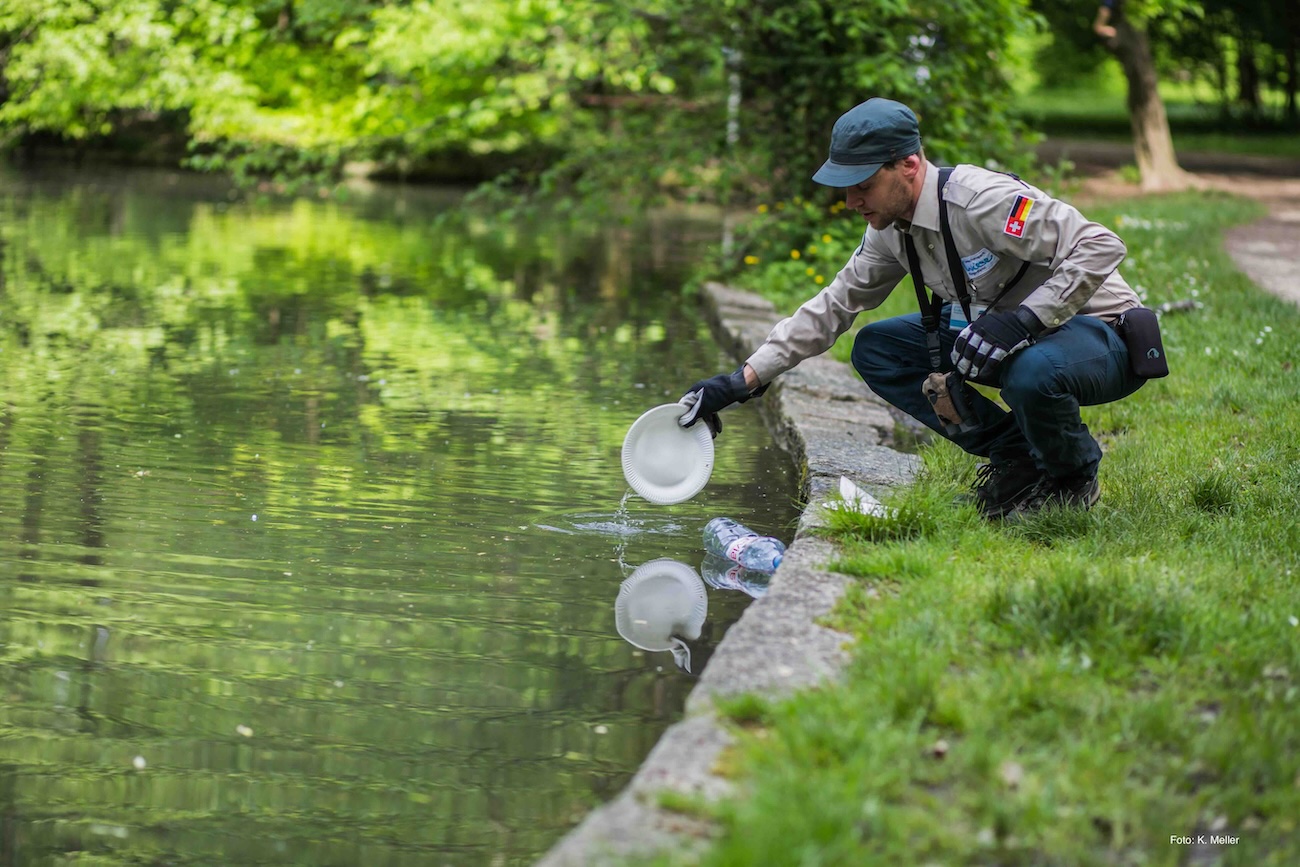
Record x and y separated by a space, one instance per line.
856 499
244 730
140 763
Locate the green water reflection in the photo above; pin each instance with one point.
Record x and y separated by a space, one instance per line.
309 541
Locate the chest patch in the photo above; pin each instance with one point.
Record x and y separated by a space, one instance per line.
1016 219
979 264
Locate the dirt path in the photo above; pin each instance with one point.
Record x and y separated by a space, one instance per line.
1268 250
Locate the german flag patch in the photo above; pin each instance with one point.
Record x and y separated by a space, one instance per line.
1016 220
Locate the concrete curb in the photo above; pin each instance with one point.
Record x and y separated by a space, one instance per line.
831 425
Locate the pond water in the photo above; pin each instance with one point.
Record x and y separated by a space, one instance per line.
310 525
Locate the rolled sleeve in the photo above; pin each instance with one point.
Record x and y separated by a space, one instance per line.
862 284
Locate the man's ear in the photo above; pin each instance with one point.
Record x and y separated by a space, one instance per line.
911 166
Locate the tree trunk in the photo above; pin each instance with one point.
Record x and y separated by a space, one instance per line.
1247 75
1221 80
1153 145
285 22
1291 72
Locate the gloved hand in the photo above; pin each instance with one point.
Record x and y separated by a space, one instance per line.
705 398
982 346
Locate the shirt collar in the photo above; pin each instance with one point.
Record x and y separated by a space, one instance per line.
926 215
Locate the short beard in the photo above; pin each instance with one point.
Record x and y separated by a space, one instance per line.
900 198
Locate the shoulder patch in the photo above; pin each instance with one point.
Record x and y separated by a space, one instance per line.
1016 219
957 194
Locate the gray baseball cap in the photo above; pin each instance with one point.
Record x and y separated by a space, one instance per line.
866 137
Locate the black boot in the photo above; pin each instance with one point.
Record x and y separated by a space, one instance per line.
1069 492
1002 485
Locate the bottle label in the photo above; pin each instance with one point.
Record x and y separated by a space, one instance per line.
737 546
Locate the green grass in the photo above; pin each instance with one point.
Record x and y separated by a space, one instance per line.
1196 122
1080 688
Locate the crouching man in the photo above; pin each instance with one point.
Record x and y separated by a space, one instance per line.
1027 298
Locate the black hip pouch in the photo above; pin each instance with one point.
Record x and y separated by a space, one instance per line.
1139 327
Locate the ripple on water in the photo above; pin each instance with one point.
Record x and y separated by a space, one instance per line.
605 524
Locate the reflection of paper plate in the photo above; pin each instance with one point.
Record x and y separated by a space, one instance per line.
661 599
663 461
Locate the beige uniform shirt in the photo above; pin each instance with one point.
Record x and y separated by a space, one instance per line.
998 223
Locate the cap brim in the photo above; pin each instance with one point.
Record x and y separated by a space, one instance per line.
833 174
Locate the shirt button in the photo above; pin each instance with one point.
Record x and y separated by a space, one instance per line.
1056 321
931 246
1000 285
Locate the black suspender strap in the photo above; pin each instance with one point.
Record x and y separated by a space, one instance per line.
930 306
956 270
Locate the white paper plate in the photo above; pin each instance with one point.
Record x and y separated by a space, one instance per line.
661 599
663 461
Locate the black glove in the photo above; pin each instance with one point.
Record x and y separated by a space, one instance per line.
705 398
982 346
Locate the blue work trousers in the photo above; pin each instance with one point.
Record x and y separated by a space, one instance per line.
1082 363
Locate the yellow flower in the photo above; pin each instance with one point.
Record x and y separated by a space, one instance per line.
810 270
819 279
762 209
794 254
812 248
826 239
751 260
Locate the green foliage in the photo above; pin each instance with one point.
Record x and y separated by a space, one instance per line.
579 96
73 68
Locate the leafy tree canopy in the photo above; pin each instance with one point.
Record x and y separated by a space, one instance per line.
602 90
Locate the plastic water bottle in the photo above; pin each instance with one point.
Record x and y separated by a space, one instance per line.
738 543
722 574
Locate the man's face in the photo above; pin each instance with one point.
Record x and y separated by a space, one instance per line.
882 198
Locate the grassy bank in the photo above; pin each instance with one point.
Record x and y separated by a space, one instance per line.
1083 688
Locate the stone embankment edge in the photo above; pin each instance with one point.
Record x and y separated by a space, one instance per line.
832 426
